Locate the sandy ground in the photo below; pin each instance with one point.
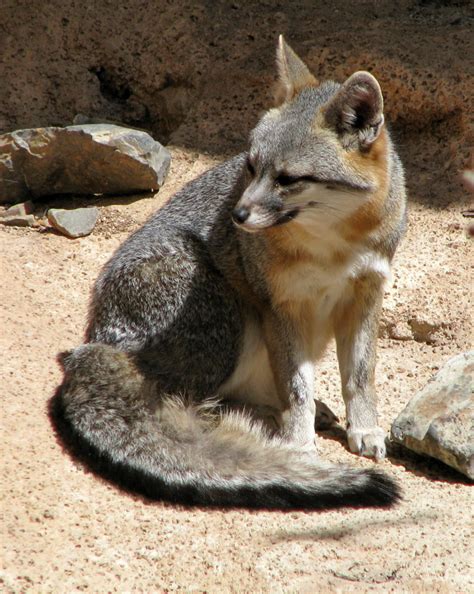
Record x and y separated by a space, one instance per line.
208 68
65 530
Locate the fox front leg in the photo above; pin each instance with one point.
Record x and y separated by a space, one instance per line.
356 330
294 380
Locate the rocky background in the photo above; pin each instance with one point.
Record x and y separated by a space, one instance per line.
196 75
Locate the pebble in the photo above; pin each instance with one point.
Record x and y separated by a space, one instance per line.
74 223
19 220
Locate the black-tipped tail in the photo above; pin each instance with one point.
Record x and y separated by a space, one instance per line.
360 488
182 453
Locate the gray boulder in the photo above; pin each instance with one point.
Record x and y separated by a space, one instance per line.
439 420
85 159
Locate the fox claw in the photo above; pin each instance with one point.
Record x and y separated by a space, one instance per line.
367 442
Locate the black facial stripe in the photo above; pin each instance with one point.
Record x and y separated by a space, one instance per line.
341 184
286 217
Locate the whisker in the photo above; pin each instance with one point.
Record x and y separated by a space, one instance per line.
309 206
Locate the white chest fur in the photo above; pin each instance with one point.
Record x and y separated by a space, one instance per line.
325 285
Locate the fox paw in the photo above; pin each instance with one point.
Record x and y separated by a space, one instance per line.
367 442
325 418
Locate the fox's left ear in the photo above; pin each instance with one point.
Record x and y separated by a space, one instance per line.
357 109
293 73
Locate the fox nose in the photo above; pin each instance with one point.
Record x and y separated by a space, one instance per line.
241 214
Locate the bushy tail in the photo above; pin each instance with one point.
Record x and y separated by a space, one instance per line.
105 415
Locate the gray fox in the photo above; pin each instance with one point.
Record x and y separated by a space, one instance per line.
196 380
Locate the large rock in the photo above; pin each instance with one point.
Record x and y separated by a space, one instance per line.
85 159
439 420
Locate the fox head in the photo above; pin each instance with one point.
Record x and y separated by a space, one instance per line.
319 156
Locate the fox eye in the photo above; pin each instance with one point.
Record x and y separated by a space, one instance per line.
289 180
286 180
250 167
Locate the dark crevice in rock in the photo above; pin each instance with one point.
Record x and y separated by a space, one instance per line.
172 105
161 114
111 87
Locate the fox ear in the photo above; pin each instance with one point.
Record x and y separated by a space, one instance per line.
293 73
63 359
357 109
